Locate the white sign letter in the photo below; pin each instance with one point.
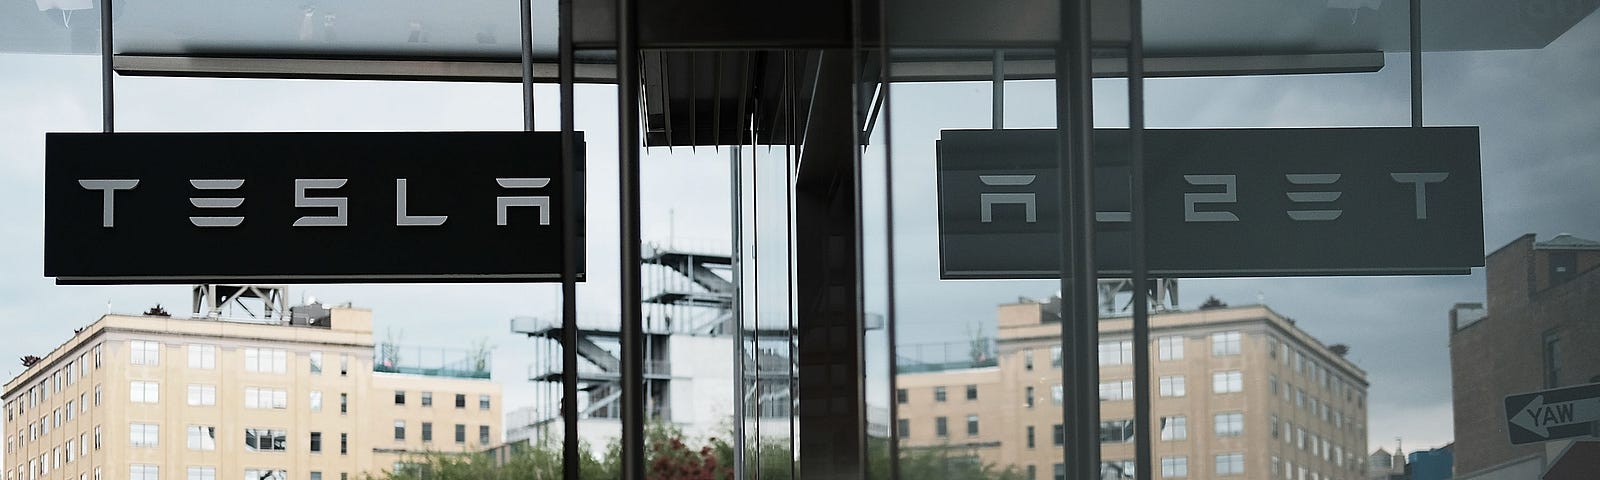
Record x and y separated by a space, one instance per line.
1313 197
503 203
342 204
206 202
987 201
402 219
1420 181
1229 194
109 204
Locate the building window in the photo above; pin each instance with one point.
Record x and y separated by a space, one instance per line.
266 440
1033 472
1227 382
266 360
941 427
1116 390
254 474
316 475
144 435
316 401
972 425
461 400
265 398
202 473
316 362
1030 436
901 396
972 392
1116 352
483 434
141 352
316 442
1058 435
1229 424
904 427
427 399
399 397
203 356
483 402
1174 428
202 437
1552 359
97 437
1055 356
399 430
344 403
1174 467
461 433
1061 471
1273 425
1272 384
1027 397
1224 344
1172 386
1027 359
344 444
1117 431
1230 464
344 364
202 395
96 395
938 394
1170 347
140 471
1056 393
427 432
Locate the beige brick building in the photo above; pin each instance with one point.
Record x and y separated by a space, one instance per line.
150 397
1239 393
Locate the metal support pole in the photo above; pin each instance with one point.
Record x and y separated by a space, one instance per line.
1143 459
892 315
632 339
736 208
1074 126
108 104
999 101
527 64
569 226
1416 63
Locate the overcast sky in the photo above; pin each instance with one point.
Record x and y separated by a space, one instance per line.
1538 112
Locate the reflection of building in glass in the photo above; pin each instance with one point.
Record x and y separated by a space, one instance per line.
1536 332
159 397
1236 390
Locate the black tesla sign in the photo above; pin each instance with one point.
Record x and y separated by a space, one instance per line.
1222 202
305 207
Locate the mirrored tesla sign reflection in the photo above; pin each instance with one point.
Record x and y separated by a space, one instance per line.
1222 202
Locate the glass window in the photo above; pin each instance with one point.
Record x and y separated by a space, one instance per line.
1552 359
144 435
901 396
344 364
461 400
1116 390
1058 435
344 444
1056 394
266 360
1117 431
1116 352
1174 428
344 403
483 402
316 401
1170 347
1027 397
1230 424
139 471
427 399
427 432
972 392
938 394
144 392
255 397
483 434
1230 464
266 440
202 395
1171 386
1227 382
202 437
399 429
1273 425
142 352
316 362
941 427
461 433
202 473
316 442
202 356
904 427
1224 344
972 425
1027 359
1175 467
1055 356
1029 437
256 474
399 397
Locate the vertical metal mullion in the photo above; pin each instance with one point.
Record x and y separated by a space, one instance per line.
791 162
569 265
1415 35
999 102
736 208
108 104
1143 459
632 339
1075 125
526 15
